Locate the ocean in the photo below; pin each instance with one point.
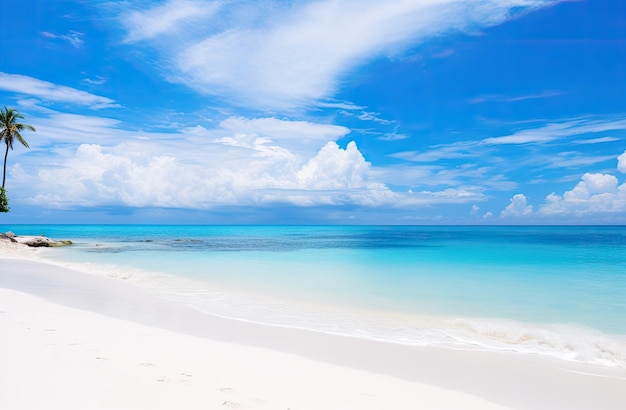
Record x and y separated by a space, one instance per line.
551 291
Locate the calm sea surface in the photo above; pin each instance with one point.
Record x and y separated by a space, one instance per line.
557 291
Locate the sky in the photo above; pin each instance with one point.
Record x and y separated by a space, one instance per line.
316 112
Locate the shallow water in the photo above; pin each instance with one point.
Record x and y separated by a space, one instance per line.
557 291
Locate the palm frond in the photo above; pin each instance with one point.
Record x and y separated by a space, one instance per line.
10 130
21 139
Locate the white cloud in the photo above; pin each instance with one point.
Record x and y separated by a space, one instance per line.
595 140
137 174
594 194
86 161
367 116
373 116
592 184
555 131
457 150
469 178
279 56
335 168
97 81
393 136
498 98
242 161
173 16
547 133
621 163
518 207
302 138
340 105
281 130
573 159
598 196
47 91
73 37
59 129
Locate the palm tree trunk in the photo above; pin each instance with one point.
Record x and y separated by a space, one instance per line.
4 174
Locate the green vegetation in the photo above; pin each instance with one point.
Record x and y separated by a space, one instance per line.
4 201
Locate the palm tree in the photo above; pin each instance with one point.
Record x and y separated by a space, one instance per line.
10 130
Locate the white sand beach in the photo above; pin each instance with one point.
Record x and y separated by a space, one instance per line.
71 340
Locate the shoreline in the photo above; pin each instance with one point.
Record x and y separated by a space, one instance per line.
443 375
565 340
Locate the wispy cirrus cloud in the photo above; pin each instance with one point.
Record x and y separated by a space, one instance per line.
526 150
575 159
591 141
366 116
393 136
277 55
167 19
457 150
340 105
556 131
73 37
499 98
373 116
550 132
30 86
95 81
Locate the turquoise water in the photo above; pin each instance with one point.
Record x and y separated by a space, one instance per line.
559 291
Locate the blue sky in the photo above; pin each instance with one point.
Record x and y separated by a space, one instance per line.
329 111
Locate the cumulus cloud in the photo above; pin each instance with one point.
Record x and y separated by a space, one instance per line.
242 161
45 90
335 168
518 207
128 175
279 55
621 163
594 194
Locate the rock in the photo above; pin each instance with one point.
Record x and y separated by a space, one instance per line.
9 236
61 243
40 241
36 242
